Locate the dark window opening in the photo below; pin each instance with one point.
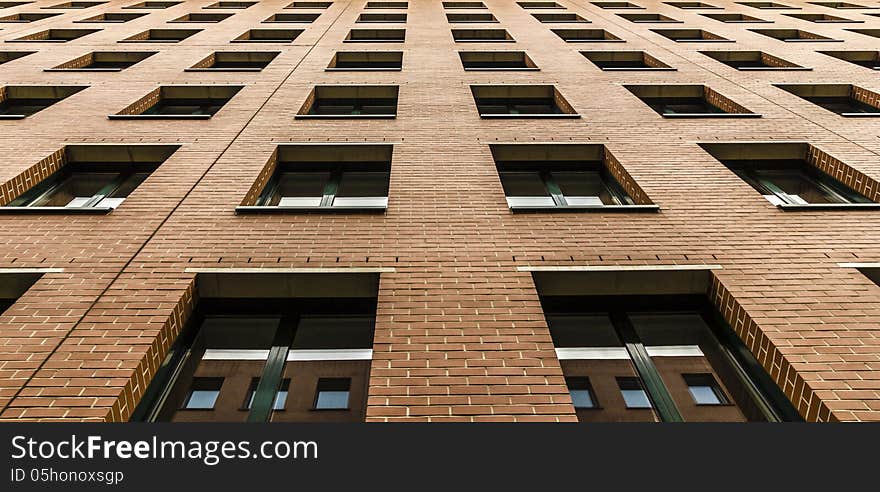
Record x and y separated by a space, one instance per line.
180 101
114 17
704 389
106 60
162 36
733 18
236 60
819 18
460 18
376 36
332 394
616 5
691 5
268 36
385 18
867 59
751 60
152 5
20 101
202 18
845 100
75 5
8 56
56 35
378 101
624 60
230 5
841 5
690 35
540 5
648 18
687 101
293 18
464 5
520 100
586 35
558 18
767 5
280 395
481 35
203 394
27 17
496 60
366 60
387 5
581 393
791 35
309 5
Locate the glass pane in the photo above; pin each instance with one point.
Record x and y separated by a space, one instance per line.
329 332
75 190
589 330
202 399
799 186
523 183
704 395
328 400
584 188
635 398
129 185
581 398
363 184
309 185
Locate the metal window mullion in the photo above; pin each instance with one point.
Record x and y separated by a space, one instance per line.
271 189
107 190
270 379
553 188
650 376
769 186
331 188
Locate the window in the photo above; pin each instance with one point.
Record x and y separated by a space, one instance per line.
55 35
633 392
734 18
152 5
346 101
114 17
90 178
624 60
793 35
104 61
202 18
203 394
496 60
235 61
324 178
383 18
521 101
21 101
767 5
481 36
26 17
161 36
867 59
268 36
874 33
332 394
796 176
581 393
558 18
180 101
841 5
586 35
292 18
387 5
230 5
649 18
464 5
376 36
540 5
843 99
688 101
280 396
9 5
366 60
616 5
8 56
752 60
564 177
309 5
464 18
691 5
691 35
15 285
819 18
75 5
704 389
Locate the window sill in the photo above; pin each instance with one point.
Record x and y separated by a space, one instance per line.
484 41
640 69
347 409
454 23
828 206
595 41
747 22
56 210
222 69
13 116
344 116
586 208
372 40
511 69
758 69
843 21
332 69
284 41
529 116
265 209
811 40
82 69
149 40
38 40
567 22
286 22
859 115
711 115
656 22
703 40
159 116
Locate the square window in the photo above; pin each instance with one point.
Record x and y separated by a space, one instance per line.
332 394
27 17
9 5
203 393
752 60
688 101
624 60
55 35
820 18
496 60
235 61
867 59
841 5
465 18
376 36
735 18
280 401
521 101
366 60
633 392
75 5
843 99
874 33
559 18
617 5
464 5
481 36
180 101
691 5
586 36
796 176
387 5
161 36
382 18
767 5
21 101
152 5
104 61
309 5
345 101
90 178
292 18
564 177
230 5
540 5
649 18
324 178
704 389
8 56
793 35
268 36
581 392
691 36
202 18
114 17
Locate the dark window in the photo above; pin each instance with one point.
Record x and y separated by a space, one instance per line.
841 5
75 5
203 394
152 5
21 101
648 18
161 36
387 5
366 60
751 60
558 18
733 18
332 394
386 18
818 18
481 35
767 5
704 389
106 60
27 17
456 18
791 35
586 36
540 5
351 101
8 56
464 5
581 392
268 36
688 101
867 59
376 36
236 60
203 18
633 392
309 5
616 5
111 17
520 100
690 35
843 99
692 5
496 60
180 101
293 18
56 35
624 60
280 396
230 5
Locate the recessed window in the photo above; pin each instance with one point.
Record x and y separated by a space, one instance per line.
691 5
152 5
841 5
843 99
796 176
558 18
268 36
235 61
496 60
704 389
350 101
464 5
292 18
616 5
820 18
867 59
280 395
104 61
649 18
27 17
9 5
203 394
874 33
366 60
383 18
688 101
633 392
540 5
75 5
768 5
481 36
587 36
114 17
463 18
735 18
581 393
387 5
521 101
55 35
565 177
89 178
376 36
202 18
792 35
332 394
8 56
309 5
20 101
691 36
324 178
752 60
624 60
180 101
161 36
230 5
